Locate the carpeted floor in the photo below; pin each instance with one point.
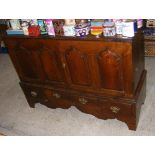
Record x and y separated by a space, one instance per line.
17 118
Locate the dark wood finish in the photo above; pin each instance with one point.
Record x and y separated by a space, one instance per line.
78 67
103 77
52 67
110 64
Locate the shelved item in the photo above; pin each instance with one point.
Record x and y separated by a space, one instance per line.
81 27
109 29
81 21
69 30
15 24
25 26
128 29
33 22
150 23
69 22
50 27
139 23
58 26
69 27
119 27
82 30
97 27
15 32
42 26
34 31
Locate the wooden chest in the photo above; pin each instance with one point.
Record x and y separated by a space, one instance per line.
104 77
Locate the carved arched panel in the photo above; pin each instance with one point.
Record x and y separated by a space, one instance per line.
28 61
51 64
110 69
78 66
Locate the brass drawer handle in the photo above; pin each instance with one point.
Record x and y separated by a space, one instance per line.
82 100
46 100
114 109
56 95
34 94
64 65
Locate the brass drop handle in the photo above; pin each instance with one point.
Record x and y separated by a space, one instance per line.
46 100
82 100
114 109
56 95
34 94
63 65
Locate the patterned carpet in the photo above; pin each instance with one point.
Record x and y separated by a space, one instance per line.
17 118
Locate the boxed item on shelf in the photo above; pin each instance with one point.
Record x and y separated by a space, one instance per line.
58 26
16 32
150 23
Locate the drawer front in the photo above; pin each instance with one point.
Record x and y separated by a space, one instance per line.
103 108
49 97
57 99
33 94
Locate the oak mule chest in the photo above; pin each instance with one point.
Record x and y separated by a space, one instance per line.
104 77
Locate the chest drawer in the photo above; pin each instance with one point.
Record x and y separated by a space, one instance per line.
57 98
103 108
33 93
